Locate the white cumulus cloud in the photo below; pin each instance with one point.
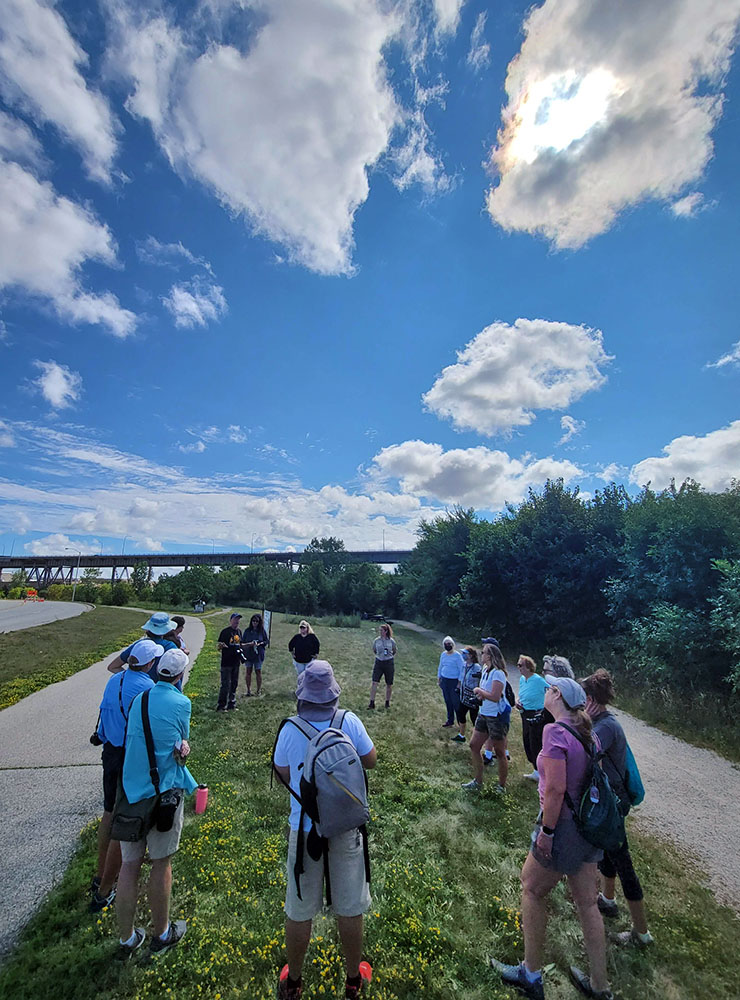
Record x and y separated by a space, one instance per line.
507 372
447 14
479 477
17 141
58 384
598 88
712 460
45 239
570 427
41 68
284 131
195 303
57 544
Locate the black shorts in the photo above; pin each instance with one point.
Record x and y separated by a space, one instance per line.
384 668
112 770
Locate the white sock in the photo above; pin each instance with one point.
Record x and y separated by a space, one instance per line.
131 941
606 898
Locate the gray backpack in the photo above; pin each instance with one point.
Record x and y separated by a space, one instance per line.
333 792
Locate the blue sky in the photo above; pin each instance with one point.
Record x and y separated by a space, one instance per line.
273 269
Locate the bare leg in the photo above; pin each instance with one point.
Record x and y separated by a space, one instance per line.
103 841
128 891
476 742
388 693
583 889
160 889
461 728
297 937
499 748
537 884
637 912
249 678
609 887
373 689
350 934
111 869
258 674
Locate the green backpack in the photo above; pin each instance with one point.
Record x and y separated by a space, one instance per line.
598 815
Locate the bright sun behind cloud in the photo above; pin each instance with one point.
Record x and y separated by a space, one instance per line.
559 110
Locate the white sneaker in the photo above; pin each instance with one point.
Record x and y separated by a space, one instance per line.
534 776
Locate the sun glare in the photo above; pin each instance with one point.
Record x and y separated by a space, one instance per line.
559 110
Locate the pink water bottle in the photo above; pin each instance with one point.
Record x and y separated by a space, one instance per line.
201 798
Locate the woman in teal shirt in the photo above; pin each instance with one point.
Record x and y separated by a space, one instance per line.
531 704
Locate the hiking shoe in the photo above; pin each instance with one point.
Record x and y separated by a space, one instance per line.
249 694
175 933
231 708
220 708
608 907
371 705
487 761
534 776
127 950
353 990
447 725
583 983
286 992
387 704
516 976
458 738
472 786
500 790
632 937
98 902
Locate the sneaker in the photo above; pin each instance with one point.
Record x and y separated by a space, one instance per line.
387 704
371 705
472 786
608 907
286 992
175 933
534 776
353 990
220 708
500 790
127 950
249 694
583 983
487 761
447 725
231 708
508 755
516 976
458 738
98 902
632 937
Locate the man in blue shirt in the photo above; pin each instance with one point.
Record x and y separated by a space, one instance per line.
119 693
169 718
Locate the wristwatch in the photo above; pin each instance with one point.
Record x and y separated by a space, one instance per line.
548 831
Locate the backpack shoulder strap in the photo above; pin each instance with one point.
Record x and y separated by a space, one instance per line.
337 720
153 770
590 750
304 726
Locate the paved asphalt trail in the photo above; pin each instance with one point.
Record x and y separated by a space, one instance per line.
692 797
16 615
51 785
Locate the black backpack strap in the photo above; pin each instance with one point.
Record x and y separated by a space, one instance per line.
153 770
590 750
366 852
327 878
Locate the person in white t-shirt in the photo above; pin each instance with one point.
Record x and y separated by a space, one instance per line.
493 718
318 697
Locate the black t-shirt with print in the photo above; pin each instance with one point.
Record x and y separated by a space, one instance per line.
232 637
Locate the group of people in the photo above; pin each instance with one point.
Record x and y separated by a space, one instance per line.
563 721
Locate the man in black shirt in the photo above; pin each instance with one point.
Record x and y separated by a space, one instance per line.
229 642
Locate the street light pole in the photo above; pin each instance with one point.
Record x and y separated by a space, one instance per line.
71 548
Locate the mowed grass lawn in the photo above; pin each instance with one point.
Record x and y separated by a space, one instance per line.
32 658
445 878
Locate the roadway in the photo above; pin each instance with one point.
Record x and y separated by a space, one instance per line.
17 615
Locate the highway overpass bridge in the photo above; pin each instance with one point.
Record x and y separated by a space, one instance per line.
45 570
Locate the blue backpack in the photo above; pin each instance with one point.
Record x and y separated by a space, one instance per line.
632 781
598 814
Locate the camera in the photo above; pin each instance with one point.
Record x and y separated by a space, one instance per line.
166 809
96 740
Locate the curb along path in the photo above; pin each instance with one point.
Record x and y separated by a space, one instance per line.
692 797
51 784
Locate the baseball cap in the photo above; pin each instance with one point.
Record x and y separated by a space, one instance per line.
144 651
489 641
173 663
160 623
573 694
235 615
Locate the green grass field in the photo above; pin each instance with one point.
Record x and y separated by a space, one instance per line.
445 868
32 658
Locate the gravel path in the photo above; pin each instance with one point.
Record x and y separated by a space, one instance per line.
51 785
692 797
17 615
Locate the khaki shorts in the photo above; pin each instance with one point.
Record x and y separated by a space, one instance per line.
350 893
160 845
